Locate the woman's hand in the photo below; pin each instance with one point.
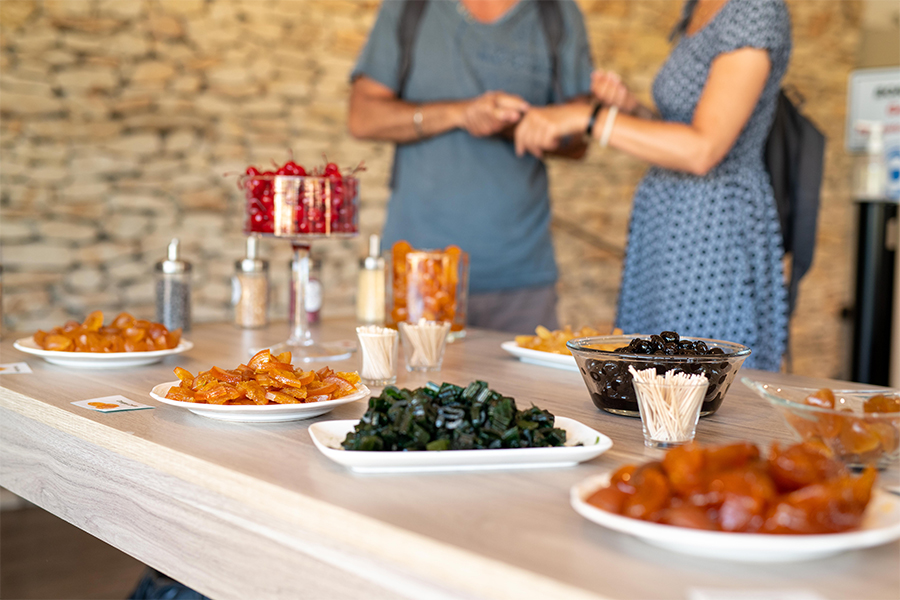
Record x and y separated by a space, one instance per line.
607 87
543 129
492 112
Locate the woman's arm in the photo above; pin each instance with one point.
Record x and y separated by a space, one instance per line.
735 82
377 114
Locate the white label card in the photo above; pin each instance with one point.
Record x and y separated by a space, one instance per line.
111 404
15 368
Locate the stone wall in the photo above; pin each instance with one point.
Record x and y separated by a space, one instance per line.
124 122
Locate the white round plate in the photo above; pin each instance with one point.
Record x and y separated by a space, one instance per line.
99 360
880 526
539 357
327 436
267 413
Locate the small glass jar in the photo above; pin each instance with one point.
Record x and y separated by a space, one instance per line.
250 286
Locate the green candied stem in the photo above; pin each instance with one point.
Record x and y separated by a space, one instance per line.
392 392
419 435
510 437
438 445
370 443
473 389
500 414
432 387
450 393
525 424
551 437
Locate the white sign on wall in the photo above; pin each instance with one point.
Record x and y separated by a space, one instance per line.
872 95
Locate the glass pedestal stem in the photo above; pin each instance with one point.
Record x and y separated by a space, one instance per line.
301 344
300 334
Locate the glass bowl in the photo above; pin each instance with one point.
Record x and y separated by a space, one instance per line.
857 438
609 382
308 206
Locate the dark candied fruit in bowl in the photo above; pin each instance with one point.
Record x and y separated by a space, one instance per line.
609 381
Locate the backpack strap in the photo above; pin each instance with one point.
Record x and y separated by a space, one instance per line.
407 30
552 21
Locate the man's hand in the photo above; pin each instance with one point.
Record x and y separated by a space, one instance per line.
543 129
492 112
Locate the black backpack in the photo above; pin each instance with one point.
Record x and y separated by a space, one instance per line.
795 156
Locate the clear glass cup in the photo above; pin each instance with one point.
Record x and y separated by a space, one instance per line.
378 355
669 411
423 344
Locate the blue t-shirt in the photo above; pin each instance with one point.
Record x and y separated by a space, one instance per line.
475 192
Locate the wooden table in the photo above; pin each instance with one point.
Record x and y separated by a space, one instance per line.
255 511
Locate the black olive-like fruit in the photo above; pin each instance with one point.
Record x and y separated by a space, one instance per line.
669 336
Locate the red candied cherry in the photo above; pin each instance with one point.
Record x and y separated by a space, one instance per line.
291 168
332 169
252 171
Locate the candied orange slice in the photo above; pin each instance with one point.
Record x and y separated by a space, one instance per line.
122 321
352 378
184 375
281 398
254 391
225 376
58 342
344 387
180 394
219 394
295 392
94 321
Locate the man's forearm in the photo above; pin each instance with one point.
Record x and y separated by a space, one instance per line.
393 120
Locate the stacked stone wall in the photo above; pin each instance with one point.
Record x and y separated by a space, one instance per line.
123 124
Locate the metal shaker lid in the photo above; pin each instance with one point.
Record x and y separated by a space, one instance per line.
252 263
173 263
373 260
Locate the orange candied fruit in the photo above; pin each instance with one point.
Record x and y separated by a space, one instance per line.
123 334
265 379
424 285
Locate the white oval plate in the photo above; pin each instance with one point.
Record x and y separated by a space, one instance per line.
327 436
99 360
880 526
539 357
268 413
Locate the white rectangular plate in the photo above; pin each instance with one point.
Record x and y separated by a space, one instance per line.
539 357
328 435
99 360
267 413
881 525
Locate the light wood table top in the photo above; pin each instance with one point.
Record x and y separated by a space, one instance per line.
255 511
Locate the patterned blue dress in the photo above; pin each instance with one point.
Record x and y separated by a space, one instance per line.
704 253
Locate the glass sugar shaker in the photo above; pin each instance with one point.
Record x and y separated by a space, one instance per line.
251 288
173 290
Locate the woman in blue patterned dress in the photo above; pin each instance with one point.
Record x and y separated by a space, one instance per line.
704 248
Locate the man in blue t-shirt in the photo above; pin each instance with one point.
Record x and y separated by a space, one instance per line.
479 69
